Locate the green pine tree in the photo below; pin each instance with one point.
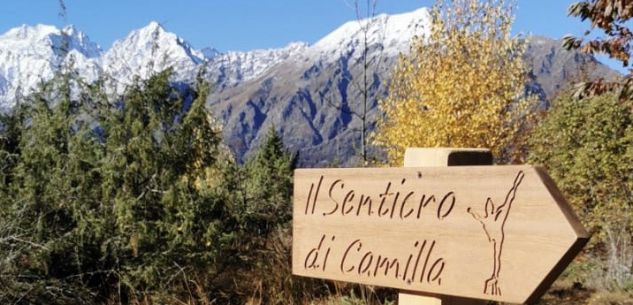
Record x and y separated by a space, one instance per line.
269 182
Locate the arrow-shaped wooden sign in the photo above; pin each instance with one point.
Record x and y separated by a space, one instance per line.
500 233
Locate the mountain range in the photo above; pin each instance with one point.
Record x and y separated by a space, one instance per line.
310 93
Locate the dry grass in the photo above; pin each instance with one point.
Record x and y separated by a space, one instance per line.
611 298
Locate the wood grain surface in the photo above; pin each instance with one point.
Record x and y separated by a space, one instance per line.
500 233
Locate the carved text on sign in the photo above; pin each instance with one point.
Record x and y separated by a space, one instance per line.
420 265
391 203
462 231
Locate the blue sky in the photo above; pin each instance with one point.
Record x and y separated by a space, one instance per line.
246 24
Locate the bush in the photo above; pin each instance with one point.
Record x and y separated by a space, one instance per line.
137 202
100 200
587 147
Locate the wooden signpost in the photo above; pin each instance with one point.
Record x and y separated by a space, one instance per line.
501 233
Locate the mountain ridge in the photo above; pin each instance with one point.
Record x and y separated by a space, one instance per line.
306 91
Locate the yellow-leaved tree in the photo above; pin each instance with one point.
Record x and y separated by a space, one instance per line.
462 85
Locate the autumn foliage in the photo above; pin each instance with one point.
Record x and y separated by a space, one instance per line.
461 86
611 18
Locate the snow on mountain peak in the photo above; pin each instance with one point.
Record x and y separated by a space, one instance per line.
394 32
41 38
79 41
30 33
148 50
154 25
244 66
210 53
31 54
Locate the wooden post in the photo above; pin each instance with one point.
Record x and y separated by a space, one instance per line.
434 157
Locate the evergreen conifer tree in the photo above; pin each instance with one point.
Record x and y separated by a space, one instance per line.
269 173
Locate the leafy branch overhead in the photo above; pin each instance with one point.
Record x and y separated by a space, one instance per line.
611 18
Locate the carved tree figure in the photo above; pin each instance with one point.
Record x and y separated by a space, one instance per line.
493 223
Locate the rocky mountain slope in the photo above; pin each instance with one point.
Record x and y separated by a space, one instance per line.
309 93
311 97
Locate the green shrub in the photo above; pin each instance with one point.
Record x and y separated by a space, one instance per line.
587 147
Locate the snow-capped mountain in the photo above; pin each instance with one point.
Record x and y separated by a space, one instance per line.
232 68
393 33
313 97
149 50
307 92
210 53
31 54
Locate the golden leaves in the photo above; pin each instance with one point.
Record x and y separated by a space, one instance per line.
462 86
